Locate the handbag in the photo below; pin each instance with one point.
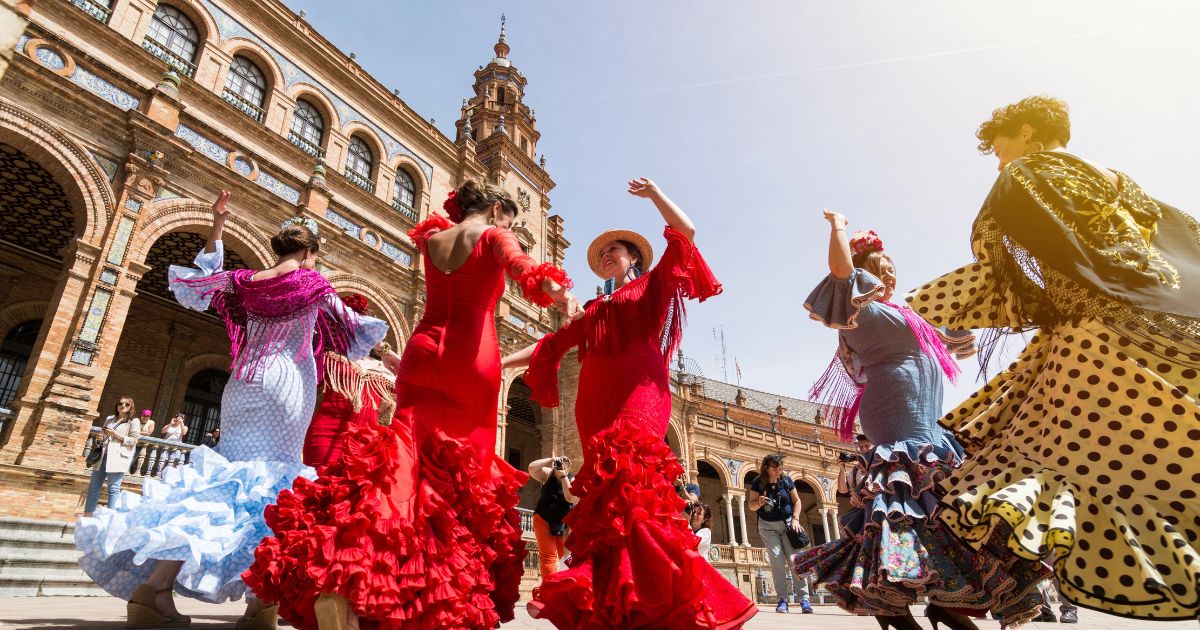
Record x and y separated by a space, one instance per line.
96 453
799 539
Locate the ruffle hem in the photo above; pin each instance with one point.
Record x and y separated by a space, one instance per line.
633 561
452 557
893 552
208 514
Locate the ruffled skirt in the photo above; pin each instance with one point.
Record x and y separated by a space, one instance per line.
892 552
633 561
434 550
208 514
1085 451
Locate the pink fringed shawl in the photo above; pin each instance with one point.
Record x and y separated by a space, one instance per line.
839 392
276 303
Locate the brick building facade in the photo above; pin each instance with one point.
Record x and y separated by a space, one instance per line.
120 120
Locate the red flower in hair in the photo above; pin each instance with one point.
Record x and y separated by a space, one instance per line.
452 207
865 242
356 302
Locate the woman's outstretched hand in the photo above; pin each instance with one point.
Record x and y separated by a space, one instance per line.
643 187
836 221
220 207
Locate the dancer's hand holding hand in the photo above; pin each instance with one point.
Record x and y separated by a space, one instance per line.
220 207
643 187
836 221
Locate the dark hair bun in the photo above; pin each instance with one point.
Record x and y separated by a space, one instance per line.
294 238
476 196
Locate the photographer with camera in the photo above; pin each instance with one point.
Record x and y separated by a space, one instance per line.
774 498
556 500
849 479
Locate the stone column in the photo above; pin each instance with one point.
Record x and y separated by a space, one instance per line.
834 522
825 523
729 519
742 517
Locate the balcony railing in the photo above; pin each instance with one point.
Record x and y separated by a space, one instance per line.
181 65
305 144
247 108
152 455
360 181
98 10
405 210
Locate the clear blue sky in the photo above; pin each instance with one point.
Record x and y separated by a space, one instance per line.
756 115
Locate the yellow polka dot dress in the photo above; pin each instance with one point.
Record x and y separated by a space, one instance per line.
1083 451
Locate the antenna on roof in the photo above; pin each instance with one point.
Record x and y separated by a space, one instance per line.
722 360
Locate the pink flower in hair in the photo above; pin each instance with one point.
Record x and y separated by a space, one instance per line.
865 242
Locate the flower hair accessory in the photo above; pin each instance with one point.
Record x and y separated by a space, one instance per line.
303 221
452 207
356 302
865 243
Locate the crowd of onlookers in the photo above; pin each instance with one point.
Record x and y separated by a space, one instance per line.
117 451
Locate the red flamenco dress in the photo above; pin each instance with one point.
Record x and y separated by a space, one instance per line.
633 562
353 394
415 524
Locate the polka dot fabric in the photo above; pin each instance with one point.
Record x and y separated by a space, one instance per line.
1085 448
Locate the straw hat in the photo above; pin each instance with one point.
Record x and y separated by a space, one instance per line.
604 239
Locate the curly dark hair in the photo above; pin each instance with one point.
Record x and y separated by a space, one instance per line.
1049 117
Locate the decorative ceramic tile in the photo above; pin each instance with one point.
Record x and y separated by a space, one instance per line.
108 276
133 204
289 194
243 167
50 58
104 89
396 254
350 227
95 315
21 43
124 231
108 166
369 239
81 356
166 193
516 321
202 144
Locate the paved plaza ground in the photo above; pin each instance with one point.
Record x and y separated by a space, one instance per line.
103 613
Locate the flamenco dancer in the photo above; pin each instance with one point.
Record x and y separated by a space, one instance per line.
414 526
1083 451
888 372
194 532
634 560
353 393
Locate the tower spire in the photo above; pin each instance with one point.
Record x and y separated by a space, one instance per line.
502 48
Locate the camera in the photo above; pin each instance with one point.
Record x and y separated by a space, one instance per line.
558 463
846 457
769 504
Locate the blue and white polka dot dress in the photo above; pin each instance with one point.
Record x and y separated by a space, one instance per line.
209 514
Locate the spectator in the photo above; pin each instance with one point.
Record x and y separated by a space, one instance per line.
148 431
1050 590
212 438
556 500
117 441
850 478
175 431
774 498
701 524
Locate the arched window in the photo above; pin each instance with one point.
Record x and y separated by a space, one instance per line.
14 355
359 164
202 403
308 128
404 195
246 87
173 38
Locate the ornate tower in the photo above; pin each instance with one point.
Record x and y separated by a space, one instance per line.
501 130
